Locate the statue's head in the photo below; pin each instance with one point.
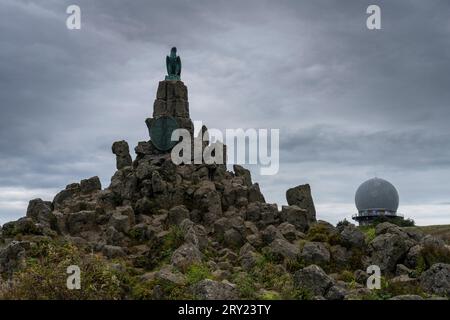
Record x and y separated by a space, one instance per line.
173 52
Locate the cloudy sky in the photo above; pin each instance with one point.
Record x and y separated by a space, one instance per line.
350 103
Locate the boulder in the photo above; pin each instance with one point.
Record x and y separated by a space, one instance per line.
315 253
352 237
390 228
90 185
177 215
208 201
254 194
78 222
158 184
214 290
389 249
70 192
233 238
436 280
288 231
122 152
340 256
114 237
296 216
120 222
11 256
40 211
270 234
124 184
336 293
185 256
401 269
301 197
168 275
240 171
112 252
313 279
283 249
248 257
262 214
144 171
122 219
23 226
413 256
194 234
432 242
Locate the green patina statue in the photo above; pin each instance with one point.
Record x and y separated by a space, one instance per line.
173 64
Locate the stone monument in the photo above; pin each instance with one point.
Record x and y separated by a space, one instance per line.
171 107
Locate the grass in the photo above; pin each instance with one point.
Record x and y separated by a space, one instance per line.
44 276
197 272
369 232
439 231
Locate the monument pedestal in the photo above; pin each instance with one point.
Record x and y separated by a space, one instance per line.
172 100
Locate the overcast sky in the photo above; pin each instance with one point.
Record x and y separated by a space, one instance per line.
350 103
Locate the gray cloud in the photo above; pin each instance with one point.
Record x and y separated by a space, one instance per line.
350 103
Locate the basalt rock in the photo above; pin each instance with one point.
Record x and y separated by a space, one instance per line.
301 197
436 280
313 280
170 224
122 152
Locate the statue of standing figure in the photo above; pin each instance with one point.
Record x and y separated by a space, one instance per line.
173 64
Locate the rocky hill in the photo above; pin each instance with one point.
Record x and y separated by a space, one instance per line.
166 231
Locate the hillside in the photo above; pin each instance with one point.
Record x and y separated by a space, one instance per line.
440 231
198 231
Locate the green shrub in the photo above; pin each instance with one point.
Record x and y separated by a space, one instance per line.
391 289
43 275
430 255
347 276
272 276
197 272
302 294
172 241
343 223
399 221
369 232
322 233
246 286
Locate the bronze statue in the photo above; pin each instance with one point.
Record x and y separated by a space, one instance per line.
173 64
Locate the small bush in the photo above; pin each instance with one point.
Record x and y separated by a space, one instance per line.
369 232
323 233
399 221
246 286
343 223
347 276
197 272
173 240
